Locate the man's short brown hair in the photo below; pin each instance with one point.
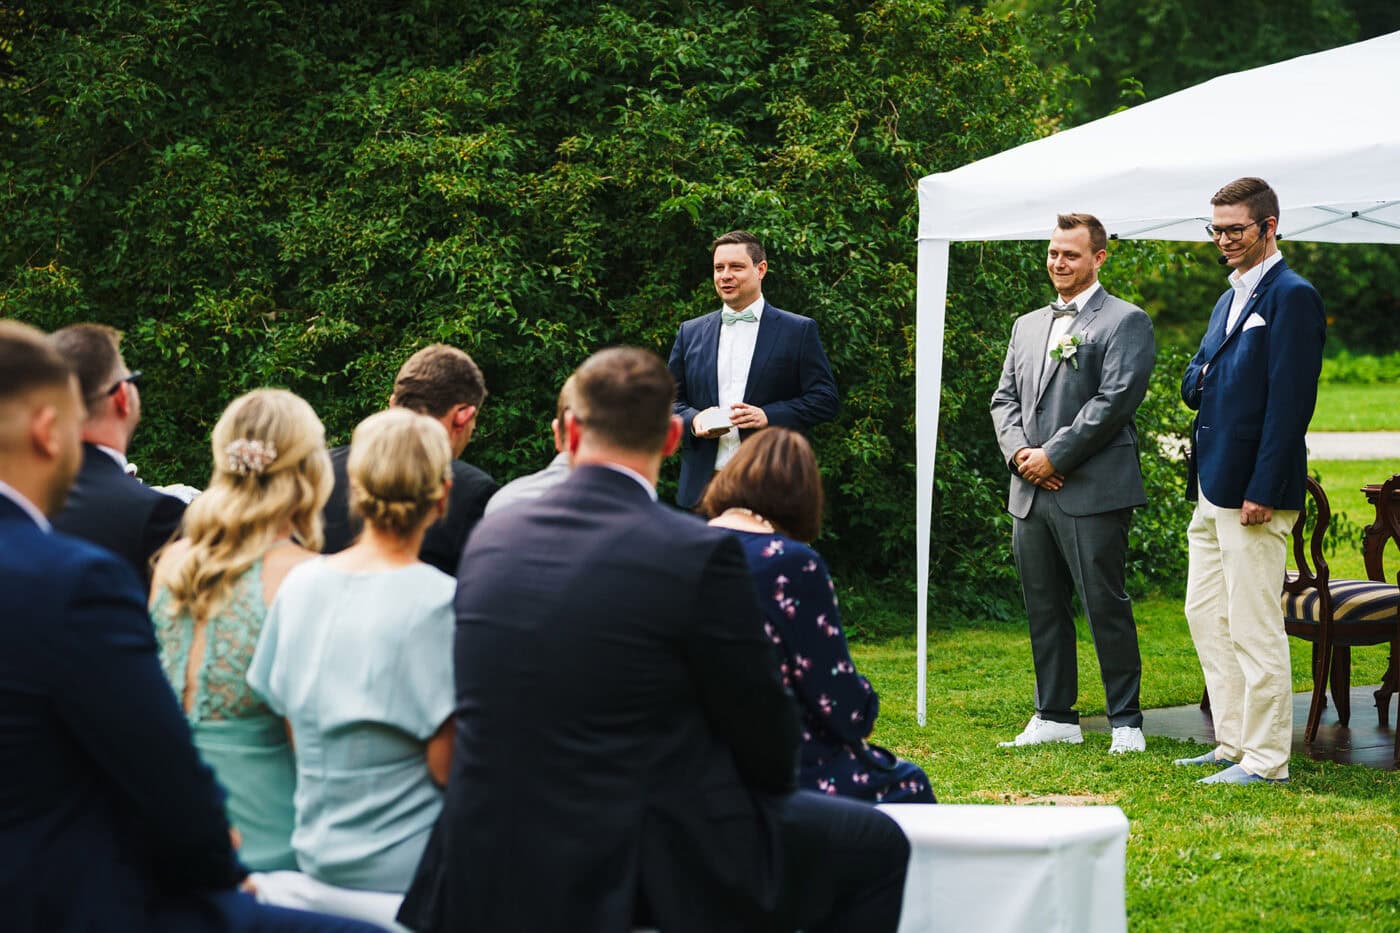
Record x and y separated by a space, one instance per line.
623 397
1254 193
745 239
1098 236
437 378
93 351
773 474
28 361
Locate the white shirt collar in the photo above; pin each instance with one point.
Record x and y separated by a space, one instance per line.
628 471
115 454
9 492
1083 297
1248 281
756 308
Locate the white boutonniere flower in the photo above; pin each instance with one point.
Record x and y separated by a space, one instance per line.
1067 350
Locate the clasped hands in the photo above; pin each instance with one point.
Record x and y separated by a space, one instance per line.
741 415
1035 467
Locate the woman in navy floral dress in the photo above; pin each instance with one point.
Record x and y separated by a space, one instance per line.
770 495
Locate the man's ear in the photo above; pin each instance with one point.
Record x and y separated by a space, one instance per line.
674 431
43 432
462 416
560 443
572 433
121 399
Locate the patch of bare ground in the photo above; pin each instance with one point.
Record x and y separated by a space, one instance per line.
1047 800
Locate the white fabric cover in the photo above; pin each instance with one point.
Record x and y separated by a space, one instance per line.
1005 869
303 892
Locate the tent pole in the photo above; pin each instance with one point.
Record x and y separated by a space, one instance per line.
931 305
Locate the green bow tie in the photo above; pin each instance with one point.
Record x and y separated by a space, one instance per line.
729 317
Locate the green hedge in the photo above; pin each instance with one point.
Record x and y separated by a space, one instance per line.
301 194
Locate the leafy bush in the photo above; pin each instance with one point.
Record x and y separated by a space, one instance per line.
1360 369
301 194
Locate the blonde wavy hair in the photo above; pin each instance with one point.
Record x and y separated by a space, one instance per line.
270 469
400 462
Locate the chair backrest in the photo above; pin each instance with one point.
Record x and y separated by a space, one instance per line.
1387 516
1307 548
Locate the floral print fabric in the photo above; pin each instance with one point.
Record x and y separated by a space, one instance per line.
838 706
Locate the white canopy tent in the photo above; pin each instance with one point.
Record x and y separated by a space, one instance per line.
1322 129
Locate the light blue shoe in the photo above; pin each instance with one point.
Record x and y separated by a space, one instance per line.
1237 775
1209 758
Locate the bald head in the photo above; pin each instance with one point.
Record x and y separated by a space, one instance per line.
41 416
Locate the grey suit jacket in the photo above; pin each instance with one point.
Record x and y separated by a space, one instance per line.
1082 416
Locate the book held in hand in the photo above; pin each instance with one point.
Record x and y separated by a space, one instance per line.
711 419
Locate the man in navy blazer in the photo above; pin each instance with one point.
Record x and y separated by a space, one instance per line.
1253 384
108 819
106 505
625 751
748 365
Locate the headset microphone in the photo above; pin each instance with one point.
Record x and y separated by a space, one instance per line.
1223 259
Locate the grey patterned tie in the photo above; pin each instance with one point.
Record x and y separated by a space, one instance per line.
1069 309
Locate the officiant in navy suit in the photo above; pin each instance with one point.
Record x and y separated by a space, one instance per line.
1253 384
750 362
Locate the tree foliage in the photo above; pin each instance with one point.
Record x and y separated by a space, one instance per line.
302 194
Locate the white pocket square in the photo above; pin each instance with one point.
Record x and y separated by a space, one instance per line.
1254 320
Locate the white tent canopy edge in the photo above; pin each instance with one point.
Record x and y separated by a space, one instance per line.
1323 129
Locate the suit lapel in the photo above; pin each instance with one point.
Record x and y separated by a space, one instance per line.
1081 322
709 342
1033 349
768 327
1255 297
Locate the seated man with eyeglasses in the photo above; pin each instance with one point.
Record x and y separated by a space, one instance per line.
108 506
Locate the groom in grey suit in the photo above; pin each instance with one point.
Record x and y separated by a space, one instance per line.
1074 375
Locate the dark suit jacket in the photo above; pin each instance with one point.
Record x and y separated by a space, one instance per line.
1254 390
1081 415
105 807
789 378
119 512
620 725
442 545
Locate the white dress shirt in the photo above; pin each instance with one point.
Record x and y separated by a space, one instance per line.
1061 325
735 356
14 495
637 477
1244 286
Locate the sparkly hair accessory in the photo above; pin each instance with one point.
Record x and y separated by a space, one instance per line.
248 457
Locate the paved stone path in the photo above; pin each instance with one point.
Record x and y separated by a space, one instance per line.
1354 445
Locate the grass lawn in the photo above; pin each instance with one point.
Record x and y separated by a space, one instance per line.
1344 407
1342 480
1320 853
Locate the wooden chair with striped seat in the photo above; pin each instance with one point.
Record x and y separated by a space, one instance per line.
1332 613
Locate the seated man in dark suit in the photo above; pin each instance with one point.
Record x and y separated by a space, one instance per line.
106 505
625 750
443 383
108 819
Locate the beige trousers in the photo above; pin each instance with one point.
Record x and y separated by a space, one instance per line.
1232 607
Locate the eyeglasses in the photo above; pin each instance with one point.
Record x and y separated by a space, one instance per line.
132 377
1232 234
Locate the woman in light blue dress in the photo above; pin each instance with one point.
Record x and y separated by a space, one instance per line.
210 591
357 654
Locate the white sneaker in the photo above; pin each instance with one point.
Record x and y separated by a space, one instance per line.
1043 731
1127 739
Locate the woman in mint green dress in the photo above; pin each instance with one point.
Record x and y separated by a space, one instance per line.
256 521
357 653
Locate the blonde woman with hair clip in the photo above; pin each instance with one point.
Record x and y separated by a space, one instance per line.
259 517
357 654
